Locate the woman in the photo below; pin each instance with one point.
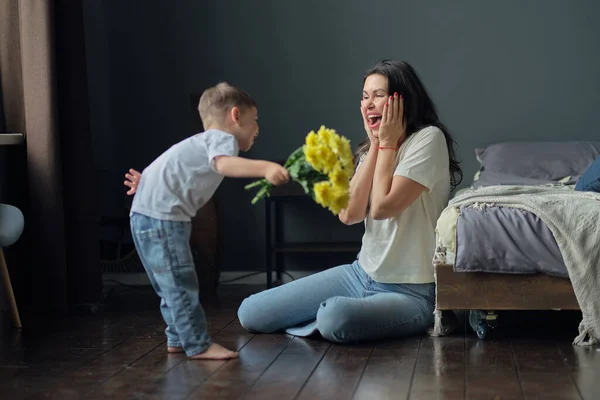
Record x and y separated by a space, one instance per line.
404 174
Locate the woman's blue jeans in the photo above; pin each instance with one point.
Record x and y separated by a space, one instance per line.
343 304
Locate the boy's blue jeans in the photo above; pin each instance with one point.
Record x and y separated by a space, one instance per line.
344 304
164 249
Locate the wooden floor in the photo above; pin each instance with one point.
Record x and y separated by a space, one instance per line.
121 354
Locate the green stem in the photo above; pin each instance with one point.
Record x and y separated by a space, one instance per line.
256 183
261 193
293 157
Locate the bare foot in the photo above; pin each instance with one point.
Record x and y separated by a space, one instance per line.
175 349
216 352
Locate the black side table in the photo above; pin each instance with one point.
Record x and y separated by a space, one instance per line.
275 248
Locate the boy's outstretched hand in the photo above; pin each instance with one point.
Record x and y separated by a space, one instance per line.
133 179
276 174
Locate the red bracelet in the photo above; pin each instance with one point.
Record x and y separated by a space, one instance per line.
387 148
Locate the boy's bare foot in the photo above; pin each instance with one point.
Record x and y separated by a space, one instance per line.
216 352
175 349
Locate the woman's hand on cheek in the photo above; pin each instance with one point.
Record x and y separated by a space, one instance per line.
392 129
374 139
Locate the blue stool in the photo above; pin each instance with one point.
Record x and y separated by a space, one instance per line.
11 227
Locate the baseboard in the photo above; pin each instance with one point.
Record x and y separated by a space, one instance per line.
242 277
129 279
227 277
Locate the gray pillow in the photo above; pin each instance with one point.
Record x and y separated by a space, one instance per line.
534 163
487 178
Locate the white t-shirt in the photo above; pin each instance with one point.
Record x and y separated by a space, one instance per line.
400 249
182 179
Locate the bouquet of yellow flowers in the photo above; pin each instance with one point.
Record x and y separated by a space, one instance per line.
323 166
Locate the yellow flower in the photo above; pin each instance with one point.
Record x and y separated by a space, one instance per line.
335 143
324 155
347 170
346 150
322 193
329 153
323 159
329 162
326 158
312 156
325 134
312 139
345 154
338 177
339 200
326 149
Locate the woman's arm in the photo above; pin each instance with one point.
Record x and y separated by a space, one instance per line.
391 194
362 181
360 190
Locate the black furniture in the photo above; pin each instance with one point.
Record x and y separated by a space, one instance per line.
275 248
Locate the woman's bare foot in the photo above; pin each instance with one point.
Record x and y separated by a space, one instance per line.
215 352
175 349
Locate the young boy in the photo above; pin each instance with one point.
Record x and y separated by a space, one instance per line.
168 194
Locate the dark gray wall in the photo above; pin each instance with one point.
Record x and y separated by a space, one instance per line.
512 70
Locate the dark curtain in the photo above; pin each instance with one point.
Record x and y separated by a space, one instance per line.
51 177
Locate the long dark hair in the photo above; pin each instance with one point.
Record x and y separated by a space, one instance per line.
419 110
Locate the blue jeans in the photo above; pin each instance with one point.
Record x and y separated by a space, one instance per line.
164 249
344 304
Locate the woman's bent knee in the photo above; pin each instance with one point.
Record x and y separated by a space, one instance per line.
246 315
253 318
334 320
342 320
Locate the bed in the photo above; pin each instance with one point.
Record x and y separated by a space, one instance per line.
497 252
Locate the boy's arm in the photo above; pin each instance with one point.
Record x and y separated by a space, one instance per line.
239 167
234 167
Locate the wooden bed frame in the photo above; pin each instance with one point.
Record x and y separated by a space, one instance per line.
489 292
497 292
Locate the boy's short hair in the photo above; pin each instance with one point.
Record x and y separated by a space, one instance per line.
215 101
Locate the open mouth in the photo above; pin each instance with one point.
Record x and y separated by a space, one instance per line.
374 121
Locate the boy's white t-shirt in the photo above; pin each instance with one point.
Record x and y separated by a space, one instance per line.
400 249
182 179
